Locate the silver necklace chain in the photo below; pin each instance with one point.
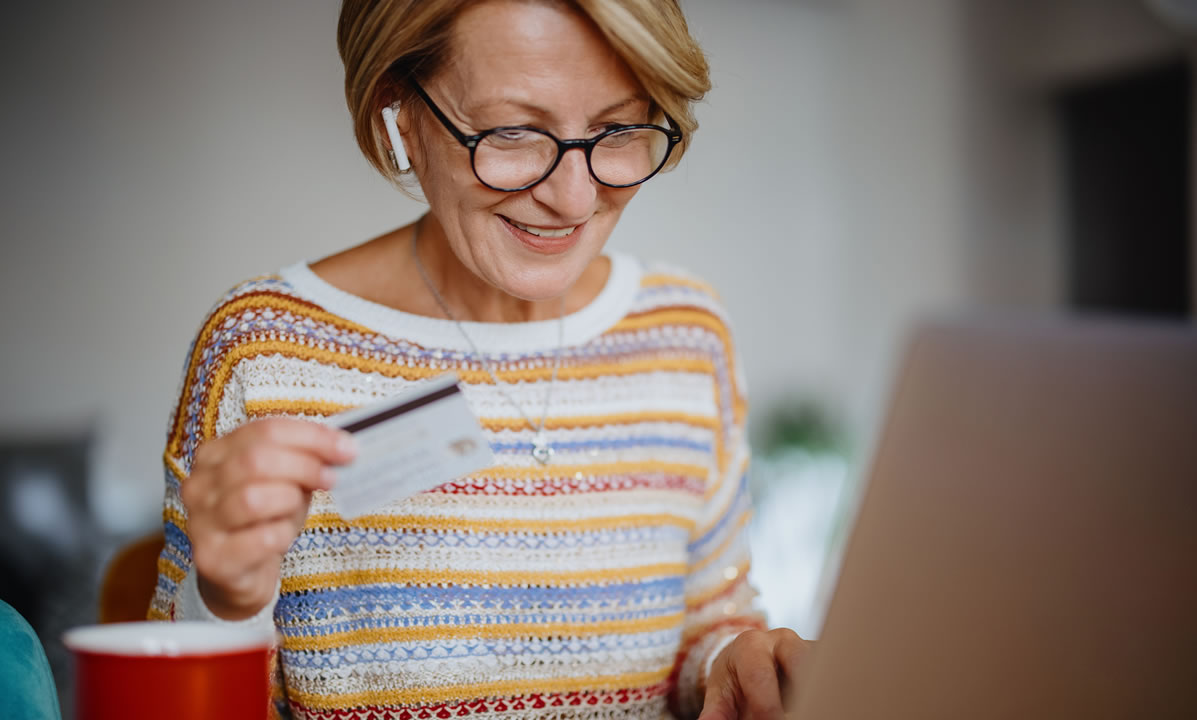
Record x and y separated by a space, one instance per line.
541 450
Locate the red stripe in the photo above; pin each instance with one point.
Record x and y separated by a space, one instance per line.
479 706
571 485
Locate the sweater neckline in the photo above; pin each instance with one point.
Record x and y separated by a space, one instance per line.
610 305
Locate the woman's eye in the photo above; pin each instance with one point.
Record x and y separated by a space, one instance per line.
606 128
511 135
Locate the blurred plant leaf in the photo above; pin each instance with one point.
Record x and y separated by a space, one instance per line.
800 424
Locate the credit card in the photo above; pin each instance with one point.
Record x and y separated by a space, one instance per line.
408 444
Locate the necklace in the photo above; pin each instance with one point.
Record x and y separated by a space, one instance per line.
542 451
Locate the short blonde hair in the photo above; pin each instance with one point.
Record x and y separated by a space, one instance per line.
382 42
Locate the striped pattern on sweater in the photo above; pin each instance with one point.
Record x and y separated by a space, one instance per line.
590 587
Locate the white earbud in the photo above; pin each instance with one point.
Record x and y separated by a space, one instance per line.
398 154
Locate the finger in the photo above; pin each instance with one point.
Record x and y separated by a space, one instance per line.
755 671
255 503
268 463
788 651
245 551
719 699
331 445
719 703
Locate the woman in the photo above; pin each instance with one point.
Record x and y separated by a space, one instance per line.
598 568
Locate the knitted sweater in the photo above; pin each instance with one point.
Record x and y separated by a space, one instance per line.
595 586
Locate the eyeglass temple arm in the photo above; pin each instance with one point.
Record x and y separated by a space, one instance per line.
461 137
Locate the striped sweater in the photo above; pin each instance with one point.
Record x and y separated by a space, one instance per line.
596 586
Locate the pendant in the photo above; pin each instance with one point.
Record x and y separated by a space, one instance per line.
541 449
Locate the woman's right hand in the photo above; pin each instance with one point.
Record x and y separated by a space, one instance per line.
247 500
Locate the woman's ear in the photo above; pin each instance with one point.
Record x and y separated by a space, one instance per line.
398 153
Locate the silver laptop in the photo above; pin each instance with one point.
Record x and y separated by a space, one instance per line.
1027 543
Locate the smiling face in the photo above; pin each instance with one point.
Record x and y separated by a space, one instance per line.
524 63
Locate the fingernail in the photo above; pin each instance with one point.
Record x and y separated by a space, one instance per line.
347 445
328 478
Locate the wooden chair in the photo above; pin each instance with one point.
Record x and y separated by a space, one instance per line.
130 579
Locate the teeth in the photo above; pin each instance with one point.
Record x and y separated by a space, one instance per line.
544 232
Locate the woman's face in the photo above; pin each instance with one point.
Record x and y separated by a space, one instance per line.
520 63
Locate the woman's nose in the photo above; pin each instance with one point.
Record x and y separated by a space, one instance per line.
569 190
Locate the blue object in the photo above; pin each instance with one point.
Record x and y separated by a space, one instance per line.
26 686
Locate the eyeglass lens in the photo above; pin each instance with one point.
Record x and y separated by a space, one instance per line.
510 159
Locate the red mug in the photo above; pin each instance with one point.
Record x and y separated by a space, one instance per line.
181 671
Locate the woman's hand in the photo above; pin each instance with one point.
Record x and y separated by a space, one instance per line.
247 499
752 676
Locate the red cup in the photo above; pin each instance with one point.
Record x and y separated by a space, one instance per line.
181 671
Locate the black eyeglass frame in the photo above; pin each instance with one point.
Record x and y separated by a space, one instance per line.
587 145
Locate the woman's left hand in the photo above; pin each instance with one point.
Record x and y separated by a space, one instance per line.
752 676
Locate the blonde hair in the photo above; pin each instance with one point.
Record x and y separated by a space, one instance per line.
382 42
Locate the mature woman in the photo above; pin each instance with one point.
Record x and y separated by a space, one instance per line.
598 569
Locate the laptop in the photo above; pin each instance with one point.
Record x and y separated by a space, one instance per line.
1026 546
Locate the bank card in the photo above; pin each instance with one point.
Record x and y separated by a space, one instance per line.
408 444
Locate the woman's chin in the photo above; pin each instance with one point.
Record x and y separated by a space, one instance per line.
530 273
539 289
545 283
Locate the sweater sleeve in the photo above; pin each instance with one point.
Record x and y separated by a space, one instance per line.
210 404
719 599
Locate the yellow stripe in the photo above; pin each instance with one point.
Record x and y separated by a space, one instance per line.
280 406
447 693
715 325
491 631
350 578
700 530
170 514
332 521
629 418
657 318
732 534
660 279
257 408
173 465
725 476
216 322
170 570
696 601
474 377
749 619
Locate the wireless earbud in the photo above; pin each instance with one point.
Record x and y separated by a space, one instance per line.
398 154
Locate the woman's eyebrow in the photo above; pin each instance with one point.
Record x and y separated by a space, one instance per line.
544 112
622 104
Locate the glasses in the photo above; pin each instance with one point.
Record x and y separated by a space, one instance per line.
515 158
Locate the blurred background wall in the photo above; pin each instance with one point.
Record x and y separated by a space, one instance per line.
861 163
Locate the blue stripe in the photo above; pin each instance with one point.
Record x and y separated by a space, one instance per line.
176 538
467 620
167 586
514 647
738 504
332 602
614 444
398 537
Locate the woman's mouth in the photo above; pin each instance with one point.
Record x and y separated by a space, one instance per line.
544 240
